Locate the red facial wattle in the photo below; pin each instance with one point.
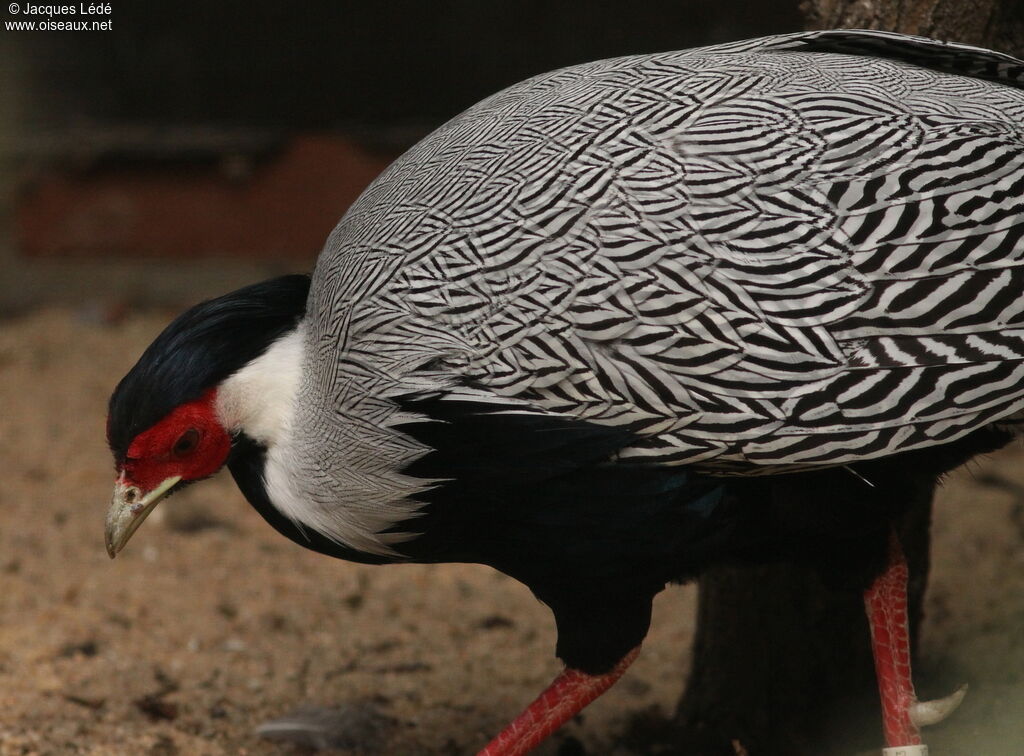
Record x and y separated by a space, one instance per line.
189 442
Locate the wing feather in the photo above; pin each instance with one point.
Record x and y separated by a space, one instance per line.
798 250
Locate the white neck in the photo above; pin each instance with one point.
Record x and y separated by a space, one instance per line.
263 400
260 398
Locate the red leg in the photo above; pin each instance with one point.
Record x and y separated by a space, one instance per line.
886 605
570 692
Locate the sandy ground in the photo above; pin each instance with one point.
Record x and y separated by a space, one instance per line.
210 622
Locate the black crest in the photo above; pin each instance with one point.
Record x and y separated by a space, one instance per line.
199 349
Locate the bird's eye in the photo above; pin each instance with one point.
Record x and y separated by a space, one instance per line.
186 443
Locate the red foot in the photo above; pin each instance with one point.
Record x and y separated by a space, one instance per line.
570 692
886 605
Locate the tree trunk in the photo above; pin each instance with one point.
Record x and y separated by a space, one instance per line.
998 24
781 664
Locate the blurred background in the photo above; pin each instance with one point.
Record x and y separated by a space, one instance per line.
197 146
235 134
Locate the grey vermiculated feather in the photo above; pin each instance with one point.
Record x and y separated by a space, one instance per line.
795 251
359 726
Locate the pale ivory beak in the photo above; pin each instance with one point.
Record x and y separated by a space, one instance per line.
129 507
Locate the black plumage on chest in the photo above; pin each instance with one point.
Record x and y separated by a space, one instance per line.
530 493
544 500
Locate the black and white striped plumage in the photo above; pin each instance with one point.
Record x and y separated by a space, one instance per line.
797 251
556 334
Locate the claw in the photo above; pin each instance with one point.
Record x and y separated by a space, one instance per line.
910 750
924 713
